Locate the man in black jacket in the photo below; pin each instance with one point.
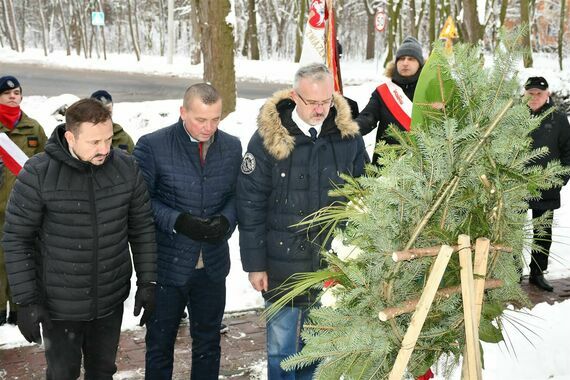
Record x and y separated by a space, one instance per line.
305 139
71 216
554 134
391 101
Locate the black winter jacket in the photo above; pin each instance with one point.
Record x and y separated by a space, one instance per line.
285 177
177 183
553 133
68 229
376 113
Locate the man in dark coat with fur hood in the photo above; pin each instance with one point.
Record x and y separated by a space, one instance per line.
305 140
391 102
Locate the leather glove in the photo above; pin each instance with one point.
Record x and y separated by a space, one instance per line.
217 229
29 319
192 226
145 298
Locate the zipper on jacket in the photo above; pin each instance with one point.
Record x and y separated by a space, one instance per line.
95 255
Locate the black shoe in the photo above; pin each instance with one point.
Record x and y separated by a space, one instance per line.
2 317
540 282
224 328
13 318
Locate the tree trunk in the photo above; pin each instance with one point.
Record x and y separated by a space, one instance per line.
43 25
503 12
300 29
8 26
119 29
64 23
218 49
132 29
432 10
561 33
23 29
371 33
471 25
103 33
82 27
527 50
413 26
195 50
252 26
12 22
162 28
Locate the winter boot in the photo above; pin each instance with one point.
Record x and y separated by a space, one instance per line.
13 318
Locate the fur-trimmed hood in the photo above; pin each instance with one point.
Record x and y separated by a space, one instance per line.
276 137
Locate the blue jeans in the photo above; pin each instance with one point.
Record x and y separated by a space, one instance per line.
284 340
206 301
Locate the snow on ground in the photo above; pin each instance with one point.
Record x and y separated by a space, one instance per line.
545 358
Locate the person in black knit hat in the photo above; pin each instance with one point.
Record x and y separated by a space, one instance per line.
387 104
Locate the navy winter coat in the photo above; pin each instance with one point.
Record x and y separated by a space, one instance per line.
553 133
177 183
68 229
285 177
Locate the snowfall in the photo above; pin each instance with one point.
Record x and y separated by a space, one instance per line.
537 344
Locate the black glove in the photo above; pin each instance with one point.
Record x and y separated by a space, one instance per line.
29 319
145 298
217 229
192 226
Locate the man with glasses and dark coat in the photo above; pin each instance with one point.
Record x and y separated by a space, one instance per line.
305 140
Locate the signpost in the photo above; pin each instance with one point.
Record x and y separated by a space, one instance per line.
98 18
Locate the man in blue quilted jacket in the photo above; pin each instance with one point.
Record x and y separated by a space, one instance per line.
191 170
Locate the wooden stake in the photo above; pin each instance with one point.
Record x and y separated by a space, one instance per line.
473 353
419 317
410 305
480 272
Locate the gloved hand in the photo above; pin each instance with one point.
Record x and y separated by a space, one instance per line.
29 319
145 298
192 226
217 229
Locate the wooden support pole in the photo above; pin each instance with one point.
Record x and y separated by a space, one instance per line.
409 306
479 274
473 353
419 317
415 253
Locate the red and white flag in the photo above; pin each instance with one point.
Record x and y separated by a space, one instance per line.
319 40
13 157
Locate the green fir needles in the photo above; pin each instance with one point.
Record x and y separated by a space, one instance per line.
463 169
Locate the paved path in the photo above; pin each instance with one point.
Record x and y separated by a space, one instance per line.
242 347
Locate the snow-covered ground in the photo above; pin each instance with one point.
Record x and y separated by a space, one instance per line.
544 357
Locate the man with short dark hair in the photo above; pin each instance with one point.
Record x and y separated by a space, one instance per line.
191 169
306 139
391 101
20 137
554 134
121 139
72 214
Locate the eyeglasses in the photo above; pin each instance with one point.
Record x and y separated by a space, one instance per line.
315 104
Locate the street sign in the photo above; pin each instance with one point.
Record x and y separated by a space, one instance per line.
98 18
380 21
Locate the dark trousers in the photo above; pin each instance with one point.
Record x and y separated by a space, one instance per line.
206 301
539 259
97 341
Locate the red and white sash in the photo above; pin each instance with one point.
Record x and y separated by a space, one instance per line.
397 103
11 154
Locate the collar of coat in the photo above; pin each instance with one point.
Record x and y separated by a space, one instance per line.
277 138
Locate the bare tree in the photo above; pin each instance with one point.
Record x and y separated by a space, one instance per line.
195 49
300 29
63 26
525 20
11 24
472 29
43 24
134 35
252 41
218 49
561 33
